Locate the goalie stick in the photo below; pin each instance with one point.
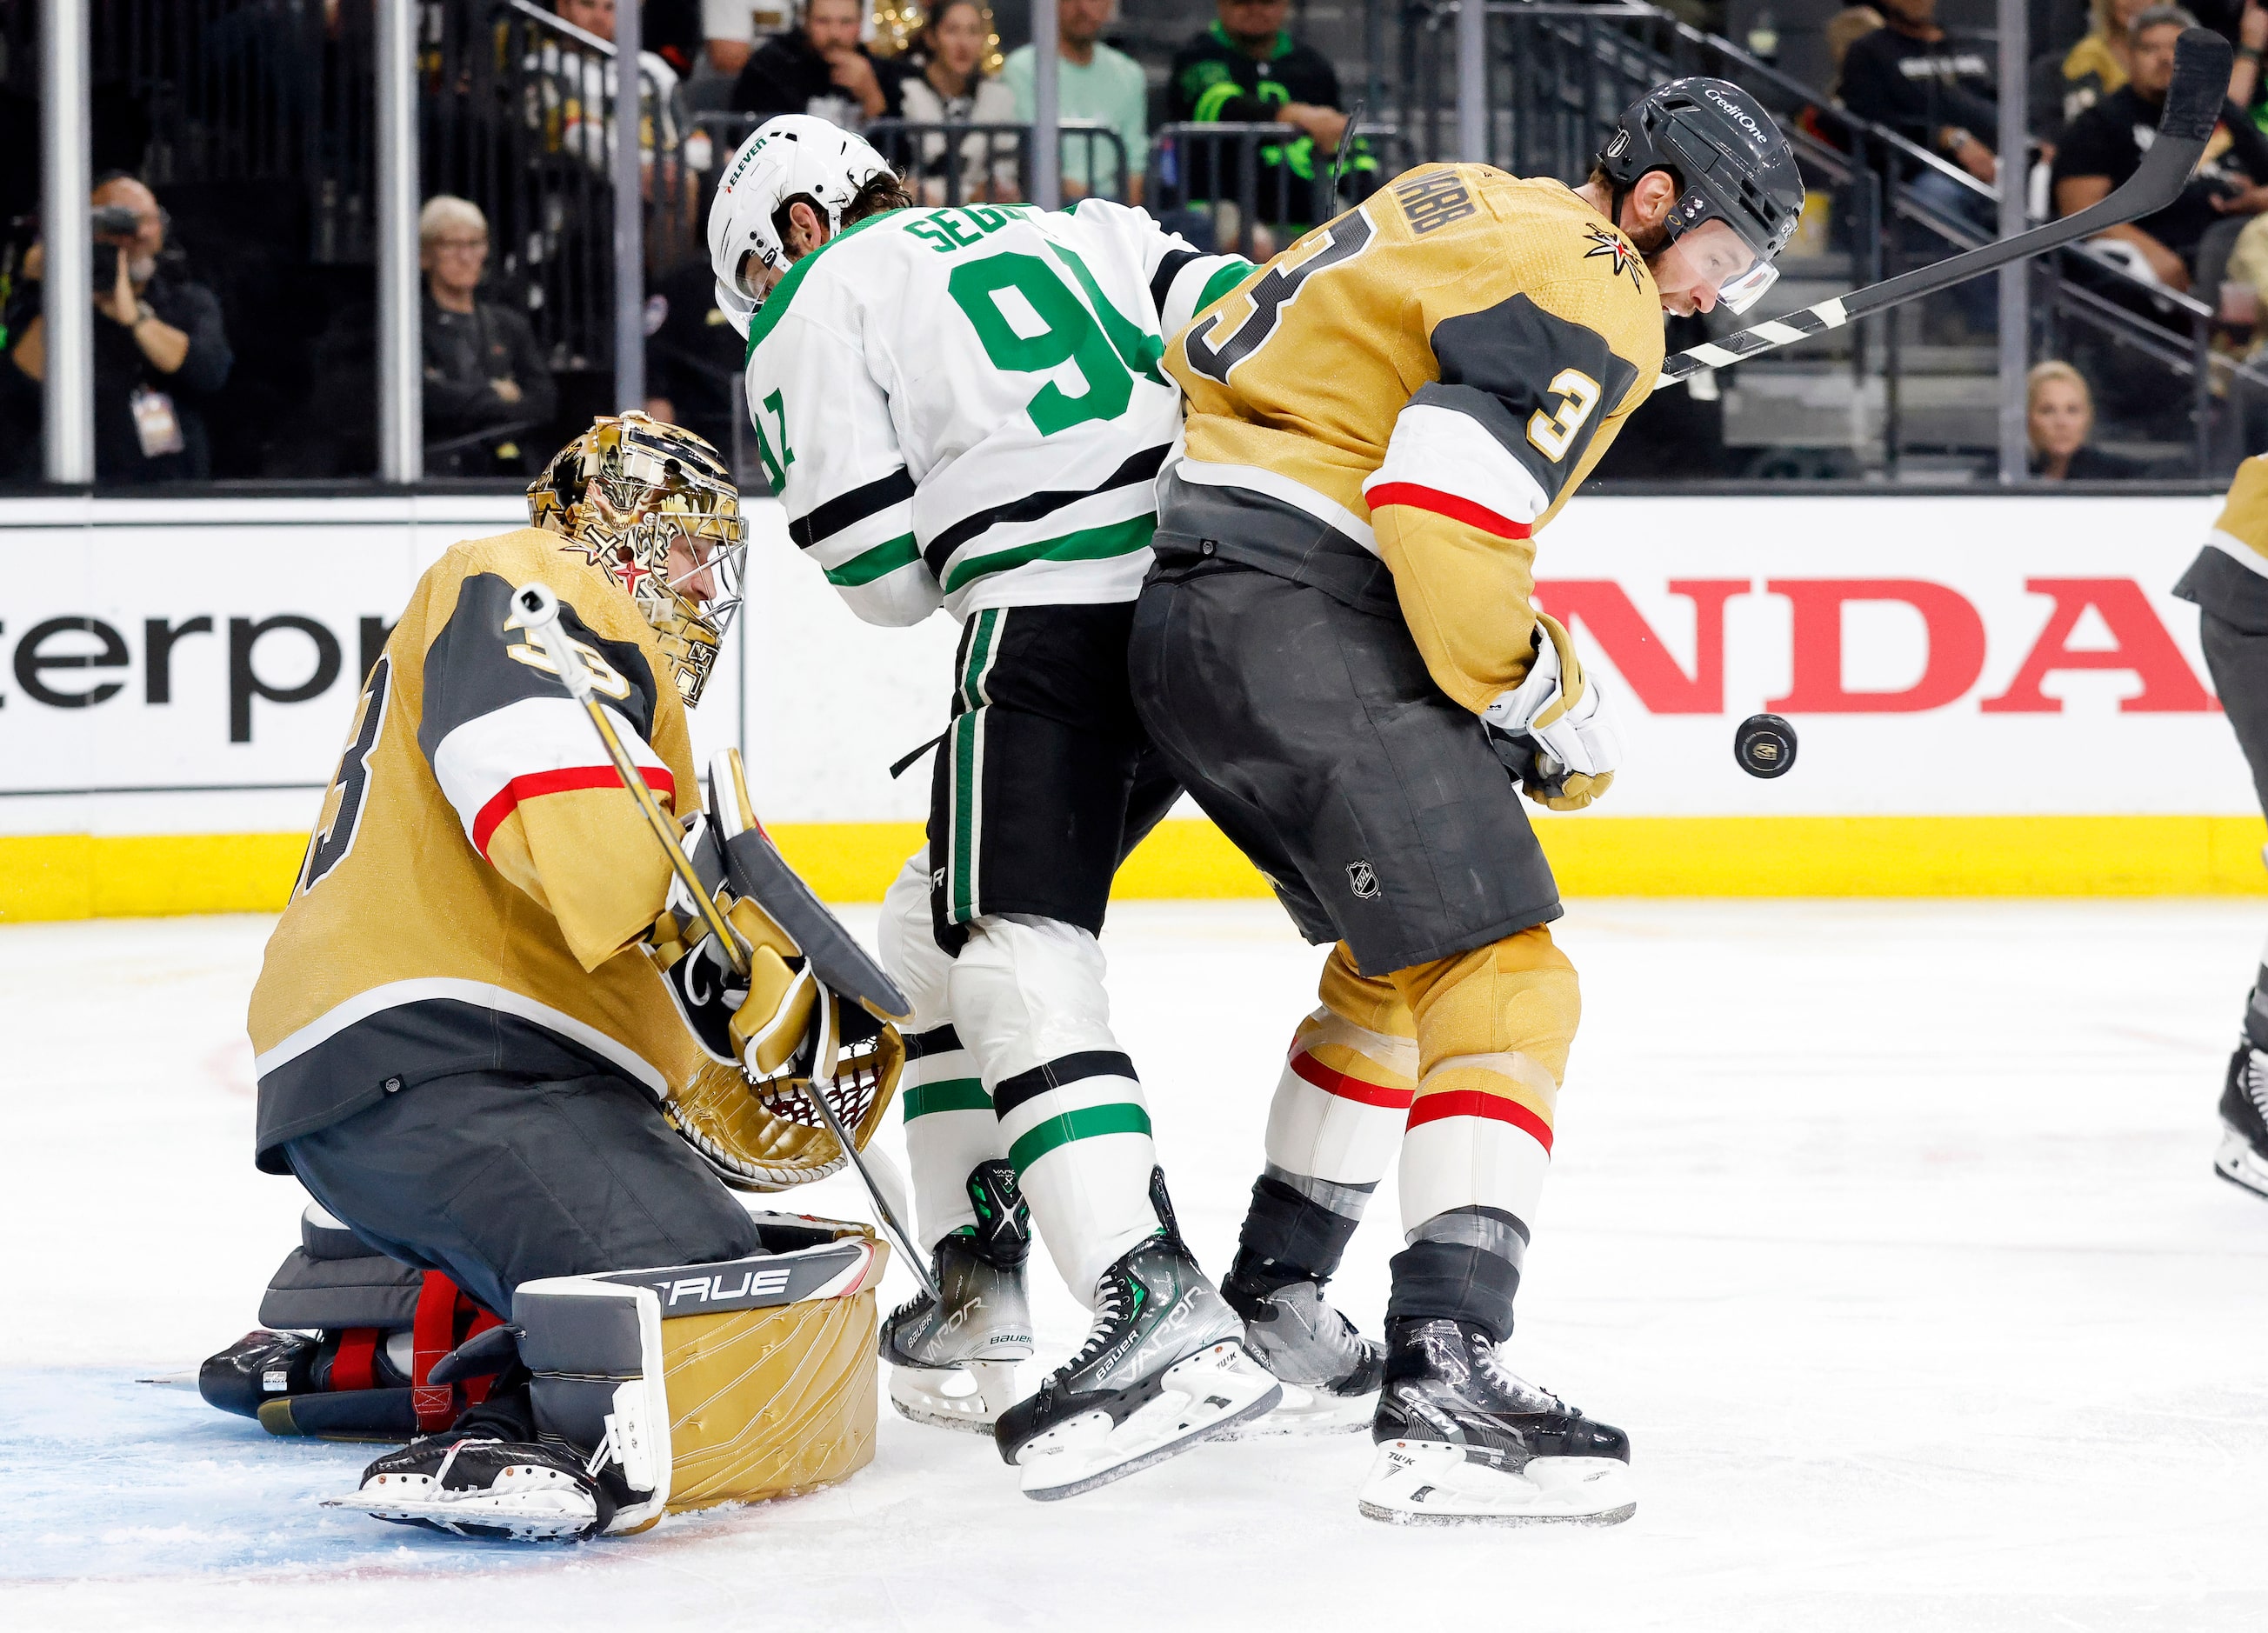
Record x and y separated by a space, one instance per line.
2194 103
537 611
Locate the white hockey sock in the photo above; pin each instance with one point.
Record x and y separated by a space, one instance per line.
1029 1002
1337 1119
950 1125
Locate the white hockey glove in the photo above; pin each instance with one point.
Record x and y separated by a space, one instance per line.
1554 730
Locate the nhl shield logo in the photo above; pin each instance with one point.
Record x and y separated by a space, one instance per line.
1363 879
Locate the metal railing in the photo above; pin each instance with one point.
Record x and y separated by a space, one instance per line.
1556 76
1254 176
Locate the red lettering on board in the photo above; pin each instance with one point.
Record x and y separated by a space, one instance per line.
2169 686
1955 653
1607 613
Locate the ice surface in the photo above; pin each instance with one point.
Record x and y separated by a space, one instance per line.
1887 1229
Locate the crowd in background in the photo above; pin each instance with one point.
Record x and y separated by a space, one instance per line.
950 100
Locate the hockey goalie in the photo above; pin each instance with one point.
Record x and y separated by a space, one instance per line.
498 1046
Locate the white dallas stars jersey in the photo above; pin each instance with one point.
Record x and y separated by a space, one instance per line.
964 407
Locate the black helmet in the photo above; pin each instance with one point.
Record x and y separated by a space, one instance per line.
1731 163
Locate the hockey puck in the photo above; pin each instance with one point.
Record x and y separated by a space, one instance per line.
1764 745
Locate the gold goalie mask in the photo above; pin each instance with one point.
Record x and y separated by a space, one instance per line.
811 1012
654 506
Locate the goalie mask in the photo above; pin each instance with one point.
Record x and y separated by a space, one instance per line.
654 506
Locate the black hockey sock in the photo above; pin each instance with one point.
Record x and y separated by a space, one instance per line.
1289 1237
508 1413
1462 1265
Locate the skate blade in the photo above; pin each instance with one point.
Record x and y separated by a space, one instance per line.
2239 1163
528 1517
1306 1412
1431 1483
969 1399
1199 1396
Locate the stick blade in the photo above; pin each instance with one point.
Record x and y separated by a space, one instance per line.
2202 61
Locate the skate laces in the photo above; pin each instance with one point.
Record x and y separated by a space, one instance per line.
1110 1310
2254 1075
441 1475
1513 1383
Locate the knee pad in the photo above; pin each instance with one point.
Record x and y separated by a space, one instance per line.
908 945
695 1385
1027 991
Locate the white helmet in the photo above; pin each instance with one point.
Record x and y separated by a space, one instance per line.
795 153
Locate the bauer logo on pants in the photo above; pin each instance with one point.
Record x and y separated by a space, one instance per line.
1364 879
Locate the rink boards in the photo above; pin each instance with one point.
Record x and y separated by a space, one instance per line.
1995 695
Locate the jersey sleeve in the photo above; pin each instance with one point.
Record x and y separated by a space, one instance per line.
518 761
1526 401
1182 280
832 454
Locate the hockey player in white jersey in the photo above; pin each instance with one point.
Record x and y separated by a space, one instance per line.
963 409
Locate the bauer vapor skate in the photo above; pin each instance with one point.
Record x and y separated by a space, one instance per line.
473 1486
1462 1439
1330 1372
954 1364
1164 1368
2242 1158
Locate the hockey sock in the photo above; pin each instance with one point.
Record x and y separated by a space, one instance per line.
949 1129
1493 1030
1336 1121
1028 1001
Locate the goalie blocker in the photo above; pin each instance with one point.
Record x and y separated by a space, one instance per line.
671 1388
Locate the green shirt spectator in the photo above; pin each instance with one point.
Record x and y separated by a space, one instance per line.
1094 83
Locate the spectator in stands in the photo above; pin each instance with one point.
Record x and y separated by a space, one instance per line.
951 87
1095 85
573 91
693 357
2059 417
482 370
730 29
1940 96
160 352
1247 69
2098 65
1847 26
2103 147
819 67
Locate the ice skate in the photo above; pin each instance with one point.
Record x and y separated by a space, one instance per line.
1461 1440
1164 1368
954 1365
2242 1158
1329 1372
473 1486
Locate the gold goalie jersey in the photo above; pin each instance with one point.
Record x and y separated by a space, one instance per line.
1429 376
477 865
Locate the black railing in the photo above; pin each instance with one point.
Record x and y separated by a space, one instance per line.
1251 177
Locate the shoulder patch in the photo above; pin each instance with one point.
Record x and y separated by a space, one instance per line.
1615 250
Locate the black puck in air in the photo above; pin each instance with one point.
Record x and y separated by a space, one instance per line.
1764 745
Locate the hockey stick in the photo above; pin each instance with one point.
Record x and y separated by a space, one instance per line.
538 615
2194 103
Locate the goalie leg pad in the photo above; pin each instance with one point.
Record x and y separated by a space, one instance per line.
692 1386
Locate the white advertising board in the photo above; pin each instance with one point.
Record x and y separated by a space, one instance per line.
190 666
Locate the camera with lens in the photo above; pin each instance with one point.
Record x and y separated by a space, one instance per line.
111 221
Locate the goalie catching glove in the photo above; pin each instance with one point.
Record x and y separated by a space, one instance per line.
1554 731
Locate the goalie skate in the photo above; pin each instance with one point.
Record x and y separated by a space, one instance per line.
473 1487
2242 1158
1164 1369
1462 1441
954 1364
1330 1373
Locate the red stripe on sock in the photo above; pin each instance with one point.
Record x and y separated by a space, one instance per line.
537 783
1479 1103
1310 1070
1455 506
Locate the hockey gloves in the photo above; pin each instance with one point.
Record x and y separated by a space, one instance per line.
759 1021
1553 732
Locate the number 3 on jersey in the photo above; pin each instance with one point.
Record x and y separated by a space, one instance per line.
349 796
1554 433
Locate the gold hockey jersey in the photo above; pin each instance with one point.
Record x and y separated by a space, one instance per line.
478 869
1429 375
2229 577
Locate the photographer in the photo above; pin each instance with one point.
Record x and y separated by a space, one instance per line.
160 352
